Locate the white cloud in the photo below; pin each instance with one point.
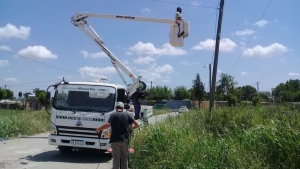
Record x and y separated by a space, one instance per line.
126 62
4 63
294 74
261 23
7 48
10 79
163 69
96 71
244 73
37 52
149 49
195 3
244 32
143 60
268 51
247 73
145 10
128 53
93 55
155 72
189 63
11 31
226 45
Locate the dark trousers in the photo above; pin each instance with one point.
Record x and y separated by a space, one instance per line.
120 152
137 108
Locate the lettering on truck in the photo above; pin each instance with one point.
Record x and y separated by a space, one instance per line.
125 17
79 118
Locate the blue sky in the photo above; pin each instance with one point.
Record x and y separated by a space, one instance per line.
42 31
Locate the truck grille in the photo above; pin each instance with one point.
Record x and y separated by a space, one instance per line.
76 132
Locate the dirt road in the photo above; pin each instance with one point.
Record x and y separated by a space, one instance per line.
34 153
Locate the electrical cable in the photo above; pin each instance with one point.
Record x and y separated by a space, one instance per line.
252 34
21 84
49 65
39 62
216 18
200 6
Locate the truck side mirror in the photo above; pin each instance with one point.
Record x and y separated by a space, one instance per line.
48 95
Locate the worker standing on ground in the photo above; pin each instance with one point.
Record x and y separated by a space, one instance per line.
119 139
135 99
178 17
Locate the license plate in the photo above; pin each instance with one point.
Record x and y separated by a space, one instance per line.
77 142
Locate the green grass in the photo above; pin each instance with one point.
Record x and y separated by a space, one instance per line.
23 122
243 137
161 111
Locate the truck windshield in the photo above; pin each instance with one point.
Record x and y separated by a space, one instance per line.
84 98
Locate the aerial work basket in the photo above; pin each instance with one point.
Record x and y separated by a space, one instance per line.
178 31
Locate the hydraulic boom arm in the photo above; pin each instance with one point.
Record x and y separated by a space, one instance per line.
79 20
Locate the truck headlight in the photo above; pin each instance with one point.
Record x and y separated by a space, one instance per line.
105 133
53 129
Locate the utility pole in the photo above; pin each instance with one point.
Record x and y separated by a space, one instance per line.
257 89
272 95
150 92
209 77
214 77
194 97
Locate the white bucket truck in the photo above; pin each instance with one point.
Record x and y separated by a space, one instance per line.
78 108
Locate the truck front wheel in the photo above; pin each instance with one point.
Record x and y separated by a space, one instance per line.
65 149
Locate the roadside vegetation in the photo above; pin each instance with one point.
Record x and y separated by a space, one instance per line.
165 110
233 137
23 122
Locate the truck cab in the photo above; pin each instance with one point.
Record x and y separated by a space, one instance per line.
78 108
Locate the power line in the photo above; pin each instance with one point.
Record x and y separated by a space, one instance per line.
32 83
216 19
252 34
40 62
200 6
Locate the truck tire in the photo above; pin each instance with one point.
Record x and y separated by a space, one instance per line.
65 149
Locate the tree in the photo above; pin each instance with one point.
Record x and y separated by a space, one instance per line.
6 94
265 95
37 91
287 91
3 94
42 98
248 92
9 94
199 90
180 93
160 93
225 86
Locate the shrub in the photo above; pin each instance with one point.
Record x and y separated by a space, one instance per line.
232 100
235 137
255 101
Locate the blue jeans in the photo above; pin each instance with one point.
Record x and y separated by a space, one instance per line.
137 108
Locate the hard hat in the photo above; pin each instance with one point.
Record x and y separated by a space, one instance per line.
179 9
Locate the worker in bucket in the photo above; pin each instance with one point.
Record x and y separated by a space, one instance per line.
178 17
135 99
119 122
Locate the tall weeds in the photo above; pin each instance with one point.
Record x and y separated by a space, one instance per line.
23 122
242 137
